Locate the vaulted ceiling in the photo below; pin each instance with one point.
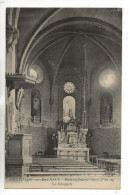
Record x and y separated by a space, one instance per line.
56 38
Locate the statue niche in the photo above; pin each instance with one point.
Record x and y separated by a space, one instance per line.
35 107
68 108
71 133
106 109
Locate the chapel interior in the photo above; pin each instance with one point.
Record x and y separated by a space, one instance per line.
63 87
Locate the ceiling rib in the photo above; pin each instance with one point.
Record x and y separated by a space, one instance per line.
48 46
69 33
70 21
59 63
48 30
107 53
54 12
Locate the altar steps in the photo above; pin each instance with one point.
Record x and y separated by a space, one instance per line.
62 167
61 173
54 160
76 170
60 162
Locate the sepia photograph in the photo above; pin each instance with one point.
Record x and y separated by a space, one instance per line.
63 98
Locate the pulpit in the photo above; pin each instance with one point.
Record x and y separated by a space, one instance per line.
18 155
72 142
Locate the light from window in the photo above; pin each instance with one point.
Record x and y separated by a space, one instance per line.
37 72
69 87
33 73
107 78
68 108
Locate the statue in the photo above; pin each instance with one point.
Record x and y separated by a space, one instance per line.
36 103
36 108
107 110
67 110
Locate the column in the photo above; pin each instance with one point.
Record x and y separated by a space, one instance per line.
84 116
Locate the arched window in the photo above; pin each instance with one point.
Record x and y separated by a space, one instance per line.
37 72
33 73
106 109
68 108
35 106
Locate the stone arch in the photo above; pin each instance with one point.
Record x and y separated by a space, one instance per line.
57 25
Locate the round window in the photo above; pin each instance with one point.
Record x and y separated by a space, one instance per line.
107 78
69 87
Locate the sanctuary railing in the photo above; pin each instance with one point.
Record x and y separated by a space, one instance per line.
111 165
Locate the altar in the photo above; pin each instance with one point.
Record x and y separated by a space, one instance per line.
72 141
